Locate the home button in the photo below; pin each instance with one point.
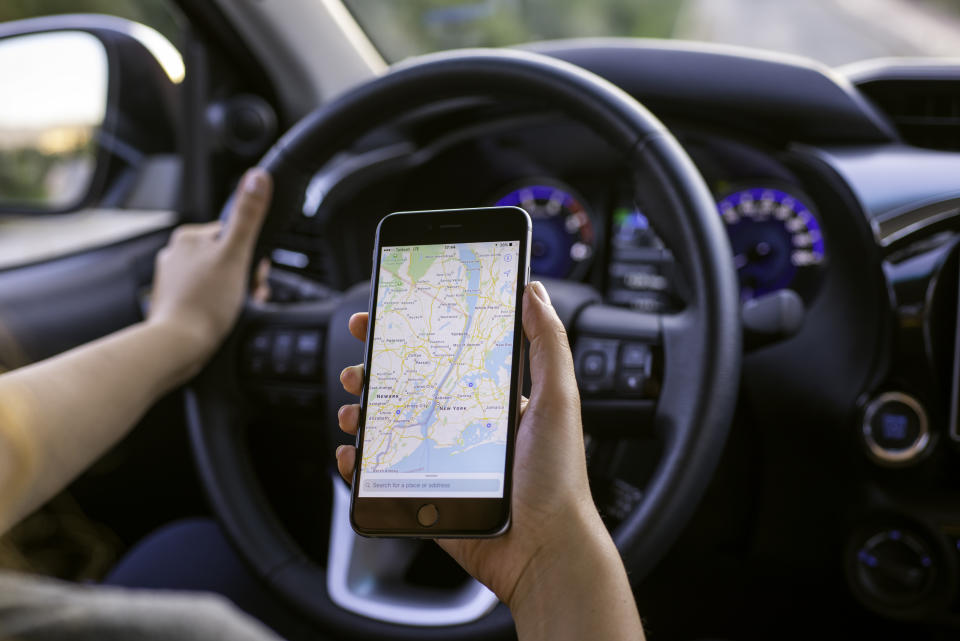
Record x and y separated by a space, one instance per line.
427 514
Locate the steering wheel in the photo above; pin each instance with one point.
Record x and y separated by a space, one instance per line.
360 589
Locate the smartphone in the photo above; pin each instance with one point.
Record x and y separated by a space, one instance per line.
442 374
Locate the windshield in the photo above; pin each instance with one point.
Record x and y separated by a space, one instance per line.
834 32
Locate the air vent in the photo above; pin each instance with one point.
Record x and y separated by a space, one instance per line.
925 112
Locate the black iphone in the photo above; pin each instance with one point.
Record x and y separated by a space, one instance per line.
442 374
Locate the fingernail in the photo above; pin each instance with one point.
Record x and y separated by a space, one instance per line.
343 373
340 411
255 182
339 447
540 291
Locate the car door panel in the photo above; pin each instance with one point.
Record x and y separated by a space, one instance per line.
50 307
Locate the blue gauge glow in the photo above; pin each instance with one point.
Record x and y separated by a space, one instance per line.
563 238
776 241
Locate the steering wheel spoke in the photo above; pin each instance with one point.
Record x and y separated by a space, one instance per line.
280 348
618 359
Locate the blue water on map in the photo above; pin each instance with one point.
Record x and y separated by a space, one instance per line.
500 357
473 434
473 279
472 378
488 457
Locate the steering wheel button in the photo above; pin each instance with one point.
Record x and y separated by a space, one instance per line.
631 383
260 343
256 364
306 367
283 342
593 364
308 342
282 353
635 356
596 364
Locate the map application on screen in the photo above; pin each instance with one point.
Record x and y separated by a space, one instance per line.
438 398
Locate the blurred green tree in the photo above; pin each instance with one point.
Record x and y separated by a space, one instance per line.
403 28
159 14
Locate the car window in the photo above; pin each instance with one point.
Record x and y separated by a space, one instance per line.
832 31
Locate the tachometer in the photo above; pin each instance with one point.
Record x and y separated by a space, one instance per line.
563 238
777 242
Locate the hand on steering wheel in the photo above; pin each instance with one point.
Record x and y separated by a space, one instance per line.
553 515
201 275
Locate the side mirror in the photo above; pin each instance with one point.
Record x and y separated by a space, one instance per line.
55 101
84 101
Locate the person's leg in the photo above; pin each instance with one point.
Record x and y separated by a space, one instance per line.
43 609
195 555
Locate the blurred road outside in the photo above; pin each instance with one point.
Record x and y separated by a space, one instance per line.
835 32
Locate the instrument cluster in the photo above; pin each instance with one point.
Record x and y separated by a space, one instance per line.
774 232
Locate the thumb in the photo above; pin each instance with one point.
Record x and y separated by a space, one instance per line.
551 363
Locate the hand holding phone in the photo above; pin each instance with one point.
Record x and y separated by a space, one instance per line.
553 517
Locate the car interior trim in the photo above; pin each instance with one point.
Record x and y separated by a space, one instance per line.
282 40
875 174
895 229
955 379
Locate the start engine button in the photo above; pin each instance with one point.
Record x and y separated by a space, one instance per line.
895 429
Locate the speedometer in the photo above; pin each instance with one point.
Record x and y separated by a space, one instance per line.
563 238
776 240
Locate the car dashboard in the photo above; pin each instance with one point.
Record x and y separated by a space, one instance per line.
590 224
840 196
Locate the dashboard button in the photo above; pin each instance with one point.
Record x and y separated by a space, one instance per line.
650 302
645 281
895 429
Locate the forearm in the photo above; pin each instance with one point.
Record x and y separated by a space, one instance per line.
59 415
578 593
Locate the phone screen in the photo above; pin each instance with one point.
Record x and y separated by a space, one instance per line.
438 397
